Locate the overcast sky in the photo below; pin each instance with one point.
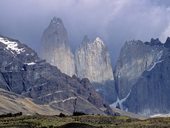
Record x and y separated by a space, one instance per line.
116 21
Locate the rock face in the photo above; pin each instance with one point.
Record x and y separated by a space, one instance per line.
151 92
142 77
55 47
135 58
93 61
24 73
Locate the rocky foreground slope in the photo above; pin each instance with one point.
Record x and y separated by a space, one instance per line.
13 103
24 73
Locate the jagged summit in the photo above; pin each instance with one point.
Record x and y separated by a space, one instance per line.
154 42
99 41
133 42
56 20
17 49
167 43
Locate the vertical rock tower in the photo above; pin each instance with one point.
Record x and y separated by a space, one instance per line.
93 61
56 49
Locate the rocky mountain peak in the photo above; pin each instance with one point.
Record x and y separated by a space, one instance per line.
135 58
98 39
57 52
24 73
99 42
154 42
55 34
133 43
56 49
18 50
93 61
57 25
167 43
56 21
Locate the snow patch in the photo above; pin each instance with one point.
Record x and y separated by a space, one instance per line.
31 63
155 63
160 115
59 101
98 90
12 45
49 94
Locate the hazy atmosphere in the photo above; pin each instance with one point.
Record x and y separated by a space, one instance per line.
115 21
85 63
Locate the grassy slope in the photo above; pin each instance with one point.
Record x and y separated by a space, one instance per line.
11 102
93 121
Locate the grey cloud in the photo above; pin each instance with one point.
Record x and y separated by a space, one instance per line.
114 20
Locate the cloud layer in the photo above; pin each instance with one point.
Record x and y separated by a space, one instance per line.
114 20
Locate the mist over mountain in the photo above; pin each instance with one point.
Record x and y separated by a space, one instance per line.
115 66
114 21
55 47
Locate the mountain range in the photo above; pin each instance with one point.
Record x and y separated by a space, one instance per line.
142 77
84 80
24 73
130 85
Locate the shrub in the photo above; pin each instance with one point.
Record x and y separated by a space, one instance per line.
78 113
62 115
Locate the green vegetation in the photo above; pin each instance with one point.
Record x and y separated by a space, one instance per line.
84 121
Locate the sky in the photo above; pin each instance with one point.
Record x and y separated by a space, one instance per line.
115 21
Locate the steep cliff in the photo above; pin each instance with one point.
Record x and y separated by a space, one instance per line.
14 103
142 77
150 94
55 47
135 58
93 61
